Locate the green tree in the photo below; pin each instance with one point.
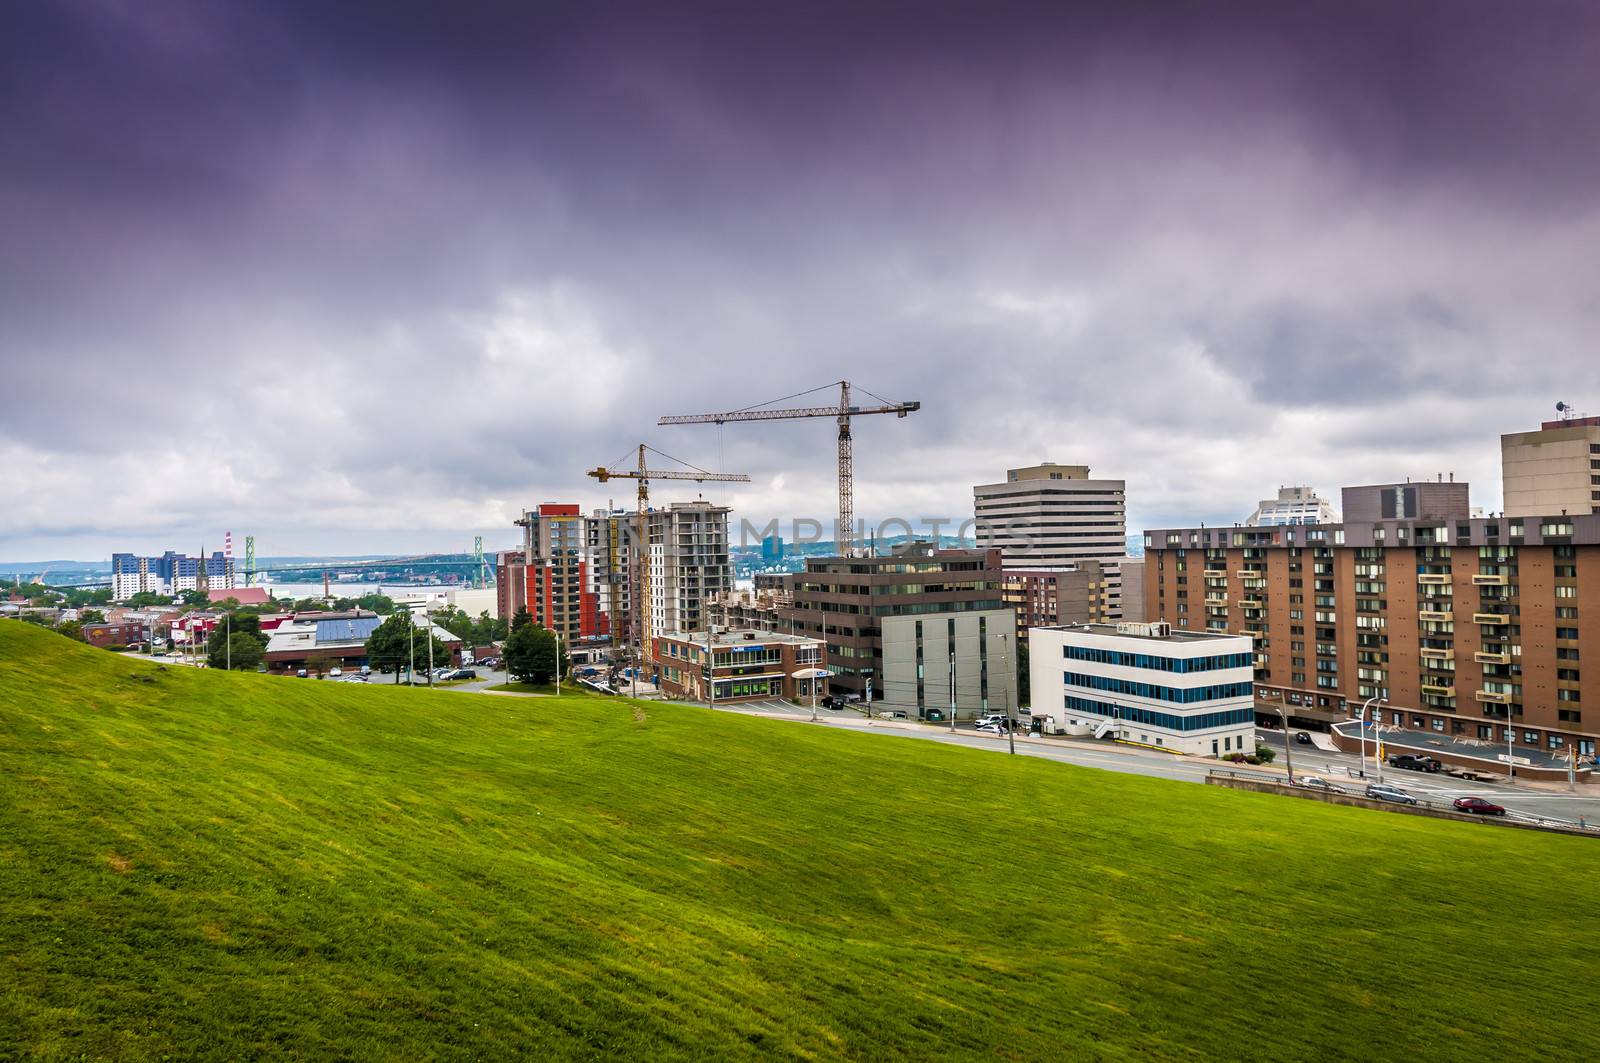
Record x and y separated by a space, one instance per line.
487 629
522 619
148 598
374 602
394 643
233 631
91 616
73 629
196 599
532 655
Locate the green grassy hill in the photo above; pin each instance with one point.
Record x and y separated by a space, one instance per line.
196 864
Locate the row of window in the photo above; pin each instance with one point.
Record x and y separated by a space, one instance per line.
1155 663
1200 721
1156 692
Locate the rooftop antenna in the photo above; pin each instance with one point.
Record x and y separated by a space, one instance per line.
1565 410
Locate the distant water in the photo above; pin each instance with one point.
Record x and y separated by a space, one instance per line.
352 590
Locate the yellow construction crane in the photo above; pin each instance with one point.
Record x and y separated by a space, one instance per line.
641 569
842 412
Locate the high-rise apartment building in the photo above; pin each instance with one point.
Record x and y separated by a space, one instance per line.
1463 625
1554 470
1294 505
557 580
688 563
1055 517
171 573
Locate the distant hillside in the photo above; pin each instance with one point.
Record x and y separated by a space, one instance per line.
195 864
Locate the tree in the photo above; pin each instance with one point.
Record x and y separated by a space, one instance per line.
487 629
195 599
321 664
522 619
73 629
454 621
393 643
374 602
148 598
532 655
237 642
91 616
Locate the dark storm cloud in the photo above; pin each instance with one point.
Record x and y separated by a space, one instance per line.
322 268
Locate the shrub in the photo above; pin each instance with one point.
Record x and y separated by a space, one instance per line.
1266 753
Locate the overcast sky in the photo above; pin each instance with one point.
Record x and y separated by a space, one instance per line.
370 280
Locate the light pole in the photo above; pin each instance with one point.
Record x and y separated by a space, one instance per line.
952 690
1364 706
558 662
1511 756
227 641
1005 691
429 619
1288 757
411 648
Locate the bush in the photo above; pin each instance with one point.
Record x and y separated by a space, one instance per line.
1266 754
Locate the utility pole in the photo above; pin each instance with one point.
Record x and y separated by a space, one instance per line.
430 645
227 639
1511 755
558 662
411 647
710 674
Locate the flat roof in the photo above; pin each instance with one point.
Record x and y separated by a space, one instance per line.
738 637
1119 631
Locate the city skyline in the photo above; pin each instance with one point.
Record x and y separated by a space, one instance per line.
365 280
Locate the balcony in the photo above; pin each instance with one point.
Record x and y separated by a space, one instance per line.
1252 634
1490 618
1491 657
1217 599
1490 579
1252 603
1434 579
1439 691
1245 573
1435 615
1215 573
1490 697
1428 653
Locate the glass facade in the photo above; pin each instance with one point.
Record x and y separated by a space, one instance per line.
1155 692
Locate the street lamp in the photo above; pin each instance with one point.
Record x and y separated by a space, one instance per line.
1288 757
1364 706
1005 690
952 689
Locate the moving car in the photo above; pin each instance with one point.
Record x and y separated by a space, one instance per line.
1302 738
1317 782
1382 791
1414 762
1477 806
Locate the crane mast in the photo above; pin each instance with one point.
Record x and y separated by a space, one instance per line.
845 534
639 581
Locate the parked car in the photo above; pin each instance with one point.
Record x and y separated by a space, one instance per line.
462 673
1414 762
1302 738
993 717
300 673
335 673
1477 806
1380 791
992 728
1316 782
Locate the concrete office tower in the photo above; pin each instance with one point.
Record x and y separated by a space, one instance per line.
688 563
1412 500
1294 505
1054 516
1554 470
608 543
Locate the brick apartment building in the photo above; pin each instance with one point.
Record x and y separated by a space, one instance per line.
1462 624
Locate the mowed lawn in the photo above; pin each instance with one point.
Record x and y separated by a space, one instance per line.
196 864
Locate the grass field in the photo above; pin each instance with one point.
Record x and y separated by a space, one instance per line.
199 864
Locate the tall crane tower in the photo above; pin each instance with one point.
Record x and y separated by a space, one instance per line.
842 413
641 569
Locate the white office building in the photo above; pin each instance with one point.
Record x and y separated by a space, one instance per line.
1051 516
1187 691
1294 505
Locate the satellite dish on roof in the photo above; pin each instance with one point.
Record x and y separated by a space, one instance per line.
1561 407
1565 410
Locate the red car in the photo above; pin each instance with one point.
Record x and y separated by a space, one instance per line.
1478 806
